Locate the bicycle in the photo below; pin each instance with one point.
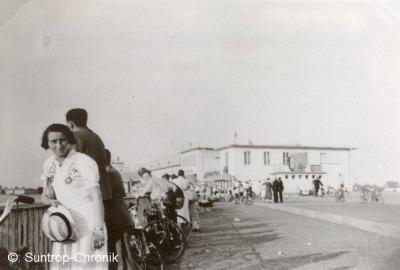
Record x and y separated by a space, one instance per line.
22 252
166 232
145 250
185 224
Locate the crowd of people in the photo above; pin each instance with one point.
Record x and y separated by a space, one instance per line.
177 193
78 178
269 191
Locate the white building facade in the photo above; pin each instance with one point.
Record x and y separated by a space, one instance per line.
199 161
297 165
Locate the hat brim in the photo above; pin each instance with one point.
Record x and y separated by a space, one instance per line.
63 213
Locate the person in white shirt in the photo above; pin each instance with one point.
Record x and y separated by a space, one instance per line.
157 189
71 179
192 213
183 184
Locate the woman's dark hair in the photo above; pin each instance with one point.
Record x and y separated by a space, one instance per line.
57 128
108 157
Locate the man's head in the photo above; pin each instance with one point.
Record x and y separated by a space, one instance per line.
144 173
181 173
76 118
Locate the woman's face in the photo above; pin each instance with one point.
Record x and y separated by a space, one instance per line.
58 144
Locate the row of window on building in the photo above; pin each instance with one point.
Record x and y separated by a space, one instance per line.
191 160
267 158
300 176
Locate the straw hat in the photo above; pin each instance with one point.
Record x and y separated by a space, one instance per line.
58 224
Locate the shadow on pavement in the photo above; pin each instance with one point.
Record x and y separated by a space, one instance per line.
292 262
343 267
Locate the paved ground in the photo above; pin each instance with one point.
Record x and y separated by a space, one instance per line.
383 213
272 239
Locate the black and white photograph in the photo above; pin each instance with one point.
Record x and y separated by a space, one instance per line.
199 134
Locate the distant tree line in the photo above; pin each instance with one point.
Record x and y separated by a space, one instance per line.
38 190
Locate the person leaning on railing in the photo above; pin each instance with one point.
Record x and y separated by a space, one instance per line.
154 189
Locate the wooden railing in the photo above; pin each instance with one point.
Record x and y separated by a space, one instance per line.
28 232
22 228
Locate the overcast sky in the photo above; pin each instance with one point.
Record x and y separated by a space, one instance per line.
155 76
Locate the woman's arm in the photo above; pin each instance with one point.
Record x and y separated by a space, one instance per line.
90 177
49 198
98 235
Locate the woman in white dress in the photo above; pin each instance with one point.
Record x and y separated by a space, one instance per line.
72 179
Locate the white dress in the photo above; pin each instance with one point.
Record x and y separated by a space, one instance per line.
71 183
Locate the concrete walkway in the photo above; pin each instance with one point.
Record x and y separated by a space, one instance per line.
376 218
236 237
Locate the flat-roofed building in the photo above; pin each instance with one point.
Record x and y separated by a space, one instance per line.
296 165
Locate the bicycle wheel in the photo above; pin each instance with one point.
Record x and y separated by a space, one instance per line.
186 227
170 237
145 251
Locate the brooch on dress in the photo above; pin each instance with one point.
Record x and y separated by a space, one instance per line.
68 180
72 173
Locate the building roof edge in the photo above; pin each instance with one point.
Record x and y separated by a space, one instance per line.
287 147
196 148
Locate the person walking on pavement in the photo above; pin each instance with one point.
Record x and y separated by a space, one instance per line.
268 191
317 182
277 188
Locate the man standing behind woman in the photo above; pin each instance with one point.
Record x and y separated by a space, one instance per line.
90 143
